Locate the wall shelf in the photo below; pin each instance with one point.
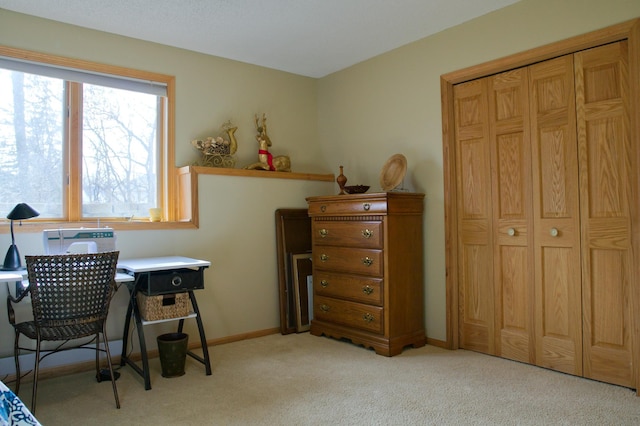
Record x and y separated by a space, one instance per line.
258 173
187 182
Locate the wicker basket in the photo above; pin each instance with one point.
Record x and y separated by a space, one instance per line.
164 306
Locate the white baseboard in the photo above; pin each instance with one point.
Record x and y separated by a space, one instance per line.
73 356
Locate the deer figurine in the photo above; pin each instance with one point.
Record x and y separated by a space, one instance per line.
266 161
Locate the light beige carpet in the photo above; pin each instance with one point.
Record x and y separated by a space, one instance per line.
307 380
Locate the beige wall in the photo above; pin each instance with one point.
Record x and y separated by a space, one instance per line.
357 118
391 104
237 219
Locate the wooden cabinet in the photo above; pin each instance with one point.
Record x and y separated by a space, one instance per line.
546 188
367 269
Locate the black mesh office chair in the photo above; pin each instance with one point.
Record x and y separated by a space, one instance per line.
70 297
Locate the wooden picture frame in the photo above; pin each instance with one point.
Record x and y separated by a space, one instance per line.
293 235
302 268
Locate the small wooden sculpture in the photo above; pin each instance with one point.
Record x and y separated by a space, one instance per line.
341 180
267 161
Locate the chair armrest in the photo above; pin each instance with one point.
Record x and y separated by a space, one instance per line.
19 296
11 300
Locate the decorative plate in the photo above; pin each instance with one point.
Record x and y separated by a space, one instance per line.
393 172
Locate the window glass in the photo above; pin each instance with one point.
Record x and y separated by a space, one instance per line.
114 155
119 152
31 142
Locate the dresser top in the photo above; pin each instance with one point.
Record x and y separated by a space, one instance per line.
377 203
374 196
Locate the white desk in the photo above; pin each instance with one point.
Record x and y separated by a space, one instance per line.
153 264
20 279
15 276
11 276
141 275
157 276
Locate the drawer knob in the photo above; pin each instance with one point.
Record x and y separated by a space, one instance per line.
324 283
366 207
323 208
324 257
368 317
367 233
325 308
367 261
367 289
176 281
324 232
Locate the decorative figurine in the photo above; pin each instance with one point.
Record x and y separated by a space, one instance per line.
341 180
267 161
218 152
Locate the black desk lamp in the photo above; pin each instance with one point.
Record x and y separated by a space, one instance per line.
12 259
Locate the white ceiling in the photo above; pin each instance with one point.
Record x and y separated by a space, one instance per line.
307 37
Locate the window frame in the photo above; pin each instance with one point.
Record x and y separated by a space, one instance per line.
174 214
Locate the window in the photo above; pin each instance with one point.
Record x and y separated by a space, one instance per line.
119 152
85 142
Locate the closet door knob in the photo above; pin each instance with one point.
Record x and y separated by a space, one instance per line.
554 232
511 232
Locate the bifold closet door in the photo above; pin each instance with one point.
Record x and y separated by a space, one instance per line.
519 233
547 210
608 179
494 220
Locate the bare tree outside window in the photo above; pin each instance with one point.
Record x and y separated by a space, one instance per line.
31 140
118 152
118 141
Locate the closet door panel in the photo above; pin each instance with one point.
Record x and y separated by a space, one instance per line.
476 305
475 239
607 347
607 179
558 320
558 346
514 320
511 180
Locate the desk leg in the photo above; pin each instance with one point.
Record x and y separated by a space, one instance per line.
132 310
125 333
143 346
203 340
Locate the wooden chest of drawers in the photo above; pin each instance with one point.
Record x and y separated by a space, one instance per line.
367 269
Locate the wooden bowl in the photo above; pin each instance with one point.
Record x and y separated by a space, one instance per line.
356 189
